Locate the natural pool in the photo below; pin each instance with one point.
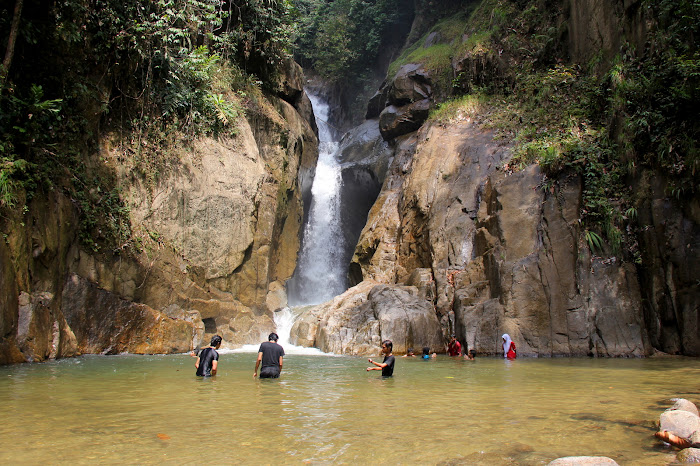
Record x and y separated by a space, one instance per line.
328 410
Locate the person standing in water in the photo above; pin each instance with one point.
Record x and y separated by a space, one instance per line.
270 356
386 366
426 353
454 348
508 347
208 360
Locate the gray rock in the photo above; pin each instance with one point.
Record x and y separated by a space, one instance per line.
681 404
411 84
681 423
695 439
582 461
377 102
359 319
688 456
397 121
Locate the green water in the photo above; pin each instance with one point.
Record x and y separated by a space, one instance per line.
328 410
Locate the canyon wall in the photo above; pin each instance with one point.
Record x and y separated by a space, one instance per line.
215 238
484 249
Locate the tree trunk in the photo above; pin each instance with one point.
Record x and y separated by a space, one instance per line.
11 40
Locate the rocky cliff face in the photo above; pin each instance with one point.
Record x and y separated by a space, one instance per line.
483 250
221 229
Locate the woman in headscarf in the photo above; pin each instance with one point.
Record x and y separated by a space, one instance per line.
508 347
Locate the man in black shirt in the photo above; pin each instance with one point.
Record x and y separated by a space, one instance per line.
208 359
386 366
270 355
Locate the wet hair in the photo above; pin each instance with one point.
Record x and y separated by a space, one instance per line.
215 340
409 351
273 337
388 344
426 350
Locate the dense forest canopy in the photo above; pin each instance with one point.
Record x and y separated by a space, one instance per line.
170 70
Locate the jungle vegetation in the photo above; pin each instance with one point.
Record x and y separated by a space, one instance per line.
159 73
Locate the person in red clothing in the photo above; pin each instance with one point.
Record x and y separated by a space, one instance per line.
455 347
508 347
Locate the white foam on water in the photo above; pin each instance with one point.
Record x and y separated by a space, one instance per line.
284 319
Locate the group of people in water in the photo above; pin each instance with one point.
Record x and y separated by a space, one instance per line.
271 356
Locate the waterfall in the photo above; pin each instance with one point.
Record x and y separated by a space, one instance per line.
320 273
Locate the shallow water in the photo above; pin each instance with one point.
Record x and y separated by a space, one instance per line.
325 409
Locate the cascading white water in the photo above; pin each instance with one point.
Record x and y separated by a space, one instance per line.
320 273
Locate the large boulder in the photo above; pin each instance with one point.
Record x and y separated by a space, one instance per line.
682 423
358 320
396 121
682 404
410 84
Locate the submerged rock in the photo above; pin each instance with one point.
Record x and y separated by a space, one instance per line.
582 461
688 456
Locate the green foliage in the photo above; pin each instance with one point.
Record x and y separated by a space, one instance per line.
460 108
657 96
158 73
341 39
595 242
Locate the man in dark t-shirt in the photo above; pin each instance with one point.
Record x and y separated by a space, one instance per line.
386 366
208 360
270 356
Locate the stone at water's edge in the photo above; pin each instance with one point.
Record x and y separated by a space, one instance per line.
582 461
358 320
681 423
695 439
689 456
682 404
